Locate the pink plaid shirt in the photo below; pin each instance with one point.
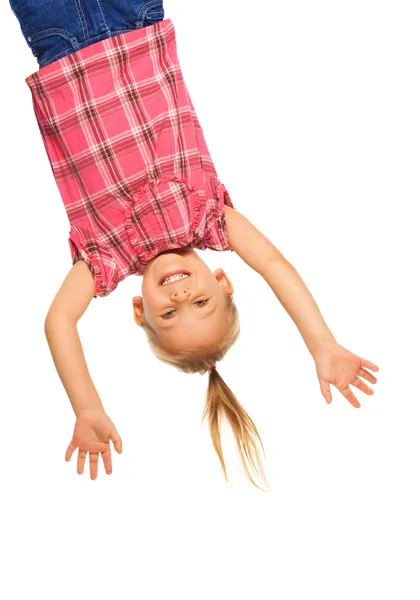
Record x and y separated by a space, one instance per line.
128 154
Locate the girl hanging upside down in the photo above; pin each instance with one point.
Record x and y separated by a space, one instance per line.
141 193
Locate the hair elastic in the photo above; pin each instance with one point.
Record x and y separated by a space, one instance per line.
213 368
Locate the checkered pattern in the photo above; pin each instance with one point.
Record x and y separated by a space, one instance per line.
128 154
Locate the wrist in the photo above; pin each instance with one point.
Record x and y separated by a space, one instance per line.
89 410
85 409
319 345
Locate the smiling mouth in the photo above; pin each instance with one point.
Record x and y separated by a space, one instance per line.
174 277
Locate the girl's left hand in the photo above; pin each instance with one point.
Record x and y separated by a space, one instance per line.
334 364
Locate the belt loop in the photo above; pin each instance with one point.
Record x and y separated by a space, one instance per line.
74 43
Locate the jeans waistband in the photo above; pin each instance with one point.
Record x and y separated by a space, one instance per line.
99 57
54 28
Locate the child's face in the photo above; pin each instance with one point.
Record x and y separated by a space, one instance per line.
185 313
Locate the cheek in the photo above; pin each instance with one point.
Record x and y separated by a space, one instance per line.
150 299
154 302
209 285
150 307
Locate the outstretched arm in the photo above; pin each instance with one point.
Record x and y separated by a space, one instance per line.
93 429
68 306
262 256
334 364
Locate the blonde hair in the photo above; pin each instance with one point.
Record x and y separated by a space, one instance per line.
221 402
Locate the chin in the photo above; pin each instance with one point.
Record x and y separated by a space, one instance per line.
177 251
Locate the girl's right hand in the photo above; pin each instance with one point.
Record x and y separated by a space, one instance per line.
93 432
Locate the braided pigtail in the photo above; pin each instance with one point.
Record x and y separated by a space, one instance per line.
221 403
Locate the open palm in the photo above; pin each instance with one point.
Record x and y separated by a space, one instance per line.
92 434
337 366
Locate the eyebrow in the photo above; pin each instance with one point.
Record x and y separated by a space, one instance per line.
203 316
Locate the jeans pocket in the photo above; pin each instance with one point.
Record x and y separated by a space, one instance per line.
50 43
150 12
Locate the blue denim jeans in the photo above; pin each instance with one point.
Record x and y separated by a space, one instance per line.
55 28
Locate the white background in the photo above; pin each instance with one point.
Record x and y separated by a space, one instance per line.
311 113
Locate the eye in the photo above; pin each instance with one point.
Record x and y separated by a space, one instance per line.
169 314
201 303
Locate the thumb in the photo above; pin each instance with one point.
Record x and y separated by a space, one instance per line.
116 440
325 390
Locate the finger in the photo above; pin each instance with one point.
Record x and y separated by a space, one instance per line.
93 461
348 395
116 440
366 375
362 386
326 391
369 365
69 452
81 461
107 458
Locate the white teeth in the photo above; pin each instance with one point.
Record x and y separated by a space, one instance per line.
174 278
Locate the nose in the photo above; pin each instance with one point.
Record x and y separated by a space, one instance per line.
180 295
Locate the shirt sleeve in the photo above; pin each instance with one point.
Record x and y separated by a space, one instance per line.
216 235
86 246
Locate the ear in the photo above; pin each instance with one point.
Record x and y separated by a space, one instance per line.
138 310
224 281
